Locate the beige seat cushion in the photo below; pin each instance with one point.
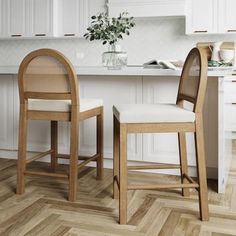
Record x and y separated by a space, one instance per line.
62 105
152 113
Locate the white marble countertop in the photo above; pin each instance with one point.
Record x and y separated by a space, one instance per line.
129 71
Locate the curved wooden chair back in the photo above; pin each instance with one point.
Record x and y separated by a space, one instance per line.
47 74
193 80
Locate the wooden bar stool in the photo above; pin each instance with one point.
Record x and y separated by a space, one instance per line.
164 118
48 88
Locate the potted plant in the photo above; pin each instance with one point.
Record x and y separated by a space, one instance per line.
110 31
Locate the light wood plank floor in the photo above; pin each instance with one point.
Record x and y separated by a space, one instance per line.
43 209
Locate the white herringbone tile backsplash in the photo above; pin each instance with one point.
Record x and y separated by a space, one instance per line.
159 38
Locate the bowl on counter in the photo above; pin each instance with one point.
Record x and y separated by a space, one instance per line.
227 55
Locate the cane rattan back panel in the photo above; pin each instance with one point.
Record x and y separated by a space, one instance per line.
194 79
47 74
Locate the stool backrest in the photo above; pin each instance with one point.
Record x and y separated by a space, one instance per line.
47 74
193 80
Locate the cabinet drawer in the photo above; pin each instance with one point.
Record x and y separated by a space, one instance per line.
230 117
230 92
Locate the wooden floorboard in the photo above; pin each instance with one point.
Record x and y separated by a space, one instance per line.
44 210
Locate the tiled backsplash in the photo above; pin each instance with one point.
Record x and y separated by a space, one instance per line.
159 38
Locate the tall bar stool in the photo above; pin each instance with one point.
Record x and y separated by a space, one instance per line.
48 89
165 118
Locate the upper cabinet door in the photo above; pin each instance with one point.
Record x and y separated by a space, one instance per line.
201 16
74 16
147 8
227 16
42 17
69 17
16 18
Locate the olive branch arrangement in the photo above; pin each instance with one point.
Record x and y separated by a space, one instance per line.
109 30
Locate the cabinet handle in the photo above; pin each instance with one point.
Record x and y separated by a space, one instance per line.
200 31
16 35
69 34
232 30
38 35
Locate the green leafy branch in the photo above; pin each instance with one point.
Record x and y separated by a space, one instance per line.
109 30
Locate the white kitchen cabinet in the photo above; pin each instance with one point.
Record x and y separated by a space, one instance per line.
27 18
227 16
210 17
74 16
43 17
201 17
230 104
17 18
7 112
69 17
225 127
147 8
14 18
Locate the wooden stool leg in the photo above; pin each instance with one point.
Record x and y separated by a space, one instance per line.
183 161
123 174
116 154
74 138
21 163
54 144
100 145
201 170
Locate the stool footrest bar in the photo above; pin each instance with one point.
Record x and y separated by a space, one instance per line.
38 156
190 180
154 166
66 156
92 158
133 187
58 175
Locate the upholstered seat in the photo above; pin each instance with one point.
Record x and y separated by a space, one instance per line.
62 105
152 113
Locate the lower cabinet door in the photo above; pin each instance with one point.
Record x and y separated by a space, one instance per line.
6 107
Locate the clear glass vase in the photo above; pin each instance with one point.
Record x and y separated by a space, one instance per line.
114 58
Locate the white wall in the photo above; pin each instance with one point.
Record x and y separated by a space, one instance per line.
162 38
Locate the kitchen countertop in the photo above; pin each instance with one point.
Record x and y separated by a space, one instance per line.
129 71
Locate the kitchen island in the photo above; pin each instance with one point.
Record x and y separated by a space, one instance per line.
129 85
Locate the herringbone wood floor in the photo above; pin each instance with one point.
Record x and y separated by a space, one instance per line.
44 210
